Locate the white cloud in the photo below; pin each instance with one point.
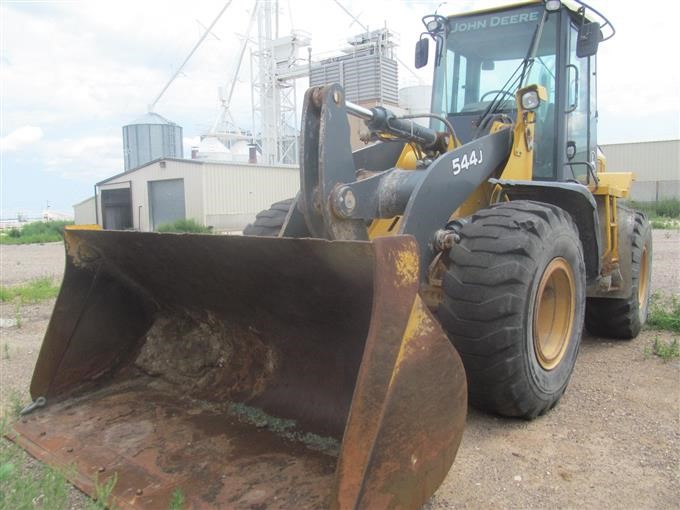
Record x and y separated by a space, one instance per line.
79 62
88 159
25 135
82 69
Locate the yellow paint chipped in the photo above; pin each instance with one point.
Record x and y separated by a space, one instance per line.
71 241
384 227
407 267
419 324
77 249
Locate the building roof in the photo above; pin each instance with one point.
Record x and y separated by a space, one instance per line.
151 118
191 161
670 140
84 201
148 163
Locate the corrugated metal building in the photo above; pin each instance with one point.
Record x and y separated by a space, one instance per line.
656 166
84 213
224 195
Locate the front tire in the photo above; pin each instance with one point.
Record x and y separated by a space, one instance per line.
514 300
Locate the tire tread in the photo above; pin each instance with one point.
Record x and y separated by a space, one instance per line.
485 295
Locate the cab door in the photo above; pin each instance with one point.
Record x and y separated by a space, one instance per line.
580 150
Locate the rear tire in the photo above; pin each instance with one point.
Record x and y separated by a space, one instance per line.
268 223
514 299
623 318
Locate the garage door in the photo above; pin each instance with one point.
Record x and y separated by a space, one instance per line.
117 209
166 200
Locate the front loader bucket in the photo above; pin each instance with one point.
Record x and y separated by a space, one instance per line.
246 373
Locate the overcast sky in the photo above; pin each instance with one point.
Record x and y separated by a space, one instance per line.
74 72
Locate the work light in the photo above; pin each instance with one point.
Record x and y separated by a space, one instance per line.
530 100
553 5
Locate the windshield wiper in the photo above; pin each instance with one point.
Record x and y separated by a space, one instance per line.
533 47
525 65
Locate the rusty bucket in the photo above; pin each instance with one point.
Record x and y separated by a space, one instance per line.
246 373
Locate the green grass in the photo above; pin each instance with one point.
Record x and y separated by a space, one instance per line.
103 491
17 315
181 226
24 488
177 501
665 223
667 351
30 485
664 313
16 404
36 232
666 208
34 291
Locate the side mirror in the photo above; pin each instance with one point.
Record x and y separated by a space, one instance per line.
589 36
422 52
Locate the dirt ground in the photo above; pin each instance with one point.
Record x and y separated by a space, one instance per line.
612 442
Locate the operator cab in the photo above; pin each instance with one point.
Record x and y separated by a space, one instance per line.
481 59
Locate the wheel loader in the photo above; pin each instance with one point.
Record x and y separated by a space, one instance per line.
327 361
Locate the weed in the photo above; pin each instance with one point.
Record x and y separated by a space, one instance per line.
191 226
17 315
34 291
664 312
177 500
667 351
5 351
16 403
102 494
36 232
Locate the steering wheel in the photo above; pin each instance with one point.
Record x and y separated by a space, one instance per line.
503 93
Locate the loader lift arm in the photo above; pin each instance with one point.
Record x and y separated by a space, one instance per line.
334 204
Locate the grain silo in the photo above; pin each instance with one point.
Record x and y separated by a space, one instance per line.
151 137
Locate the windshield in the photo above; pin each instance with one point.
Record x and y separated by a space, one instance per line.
484 55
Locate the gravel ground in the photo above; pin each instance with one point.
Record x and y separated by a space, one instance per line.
612 442
22 262
665 274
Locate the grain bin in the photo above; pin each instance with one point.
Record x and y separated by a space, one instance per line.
151 137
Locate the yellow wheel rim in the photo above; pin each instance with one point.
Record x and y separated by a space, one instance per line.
554 310
643 280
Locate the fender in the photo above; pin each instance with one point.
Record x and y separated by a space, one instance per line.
574 198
